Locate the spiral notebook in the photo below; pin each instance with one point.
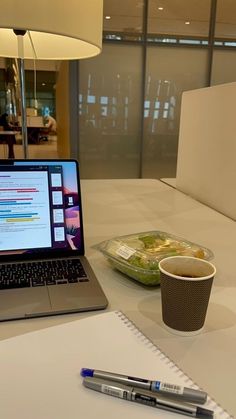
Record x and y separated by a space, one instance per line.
40 371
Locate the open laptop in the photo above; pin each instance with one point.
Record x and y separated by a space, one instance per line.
43 269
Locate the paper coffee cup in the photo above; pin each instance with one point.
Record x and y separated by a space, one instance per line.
185 291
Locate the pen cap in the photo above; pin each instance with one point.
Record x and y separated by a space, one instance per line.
187 394
204 413
86 372
195 396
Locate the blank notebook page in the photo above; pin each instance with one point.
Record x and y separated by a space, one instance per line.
40 371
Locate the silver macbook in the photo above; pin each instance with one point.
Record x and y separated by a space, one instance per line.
43 269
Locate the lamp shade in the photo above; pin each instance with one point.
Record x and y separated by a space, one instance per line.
56 29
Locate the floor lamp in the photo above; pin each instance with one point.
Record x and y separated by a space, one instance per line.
48 30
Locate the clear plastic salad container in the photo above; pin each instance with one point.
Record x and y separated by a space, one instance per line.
138 255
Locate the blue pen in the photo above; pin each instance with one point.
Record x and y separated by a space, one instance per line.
167 389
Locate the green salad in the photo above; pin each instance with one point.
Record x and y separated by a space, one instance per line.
138 255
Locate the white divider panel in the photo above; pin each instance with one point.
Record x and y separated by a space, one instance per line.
206 166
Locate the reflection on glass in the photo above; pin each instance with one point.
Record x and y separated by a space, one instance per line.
123 20
179 18
223 67
110 113
170 71
225 27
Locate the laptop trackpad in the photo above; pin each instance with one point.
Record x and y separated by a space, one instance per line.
72 296
24 302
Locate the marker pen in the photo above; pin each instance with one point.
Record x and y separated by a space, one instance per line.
166 389
146 397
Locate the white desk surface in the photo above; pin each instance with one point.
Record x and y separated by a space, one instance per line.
169 180
116 207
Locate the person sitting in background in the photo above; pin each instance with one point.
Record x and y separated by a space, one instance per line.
4 122
8 138
51 124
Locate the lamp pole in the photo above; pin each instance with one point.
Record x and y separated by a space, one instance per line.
20 34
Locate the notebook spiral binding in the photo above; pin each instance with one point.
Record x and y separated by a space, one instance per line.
211 403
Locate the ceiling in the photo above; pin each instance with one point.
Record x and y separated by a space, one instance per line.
127 16
170 17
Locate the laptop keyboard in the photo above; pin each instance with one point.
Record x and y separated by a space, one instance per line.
41 273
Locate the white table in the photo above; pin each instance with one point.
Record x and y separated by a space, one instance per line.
116 207
169 180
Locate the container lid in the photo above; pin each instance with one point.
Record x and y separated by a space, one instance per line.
143 251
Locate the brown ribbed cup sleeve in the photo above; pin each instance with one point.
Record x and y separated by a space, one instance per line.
184 302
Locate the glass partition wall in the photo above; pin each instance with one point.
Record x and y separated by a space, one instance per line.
224 57
130 96
169 72
176 60
110 112
119 113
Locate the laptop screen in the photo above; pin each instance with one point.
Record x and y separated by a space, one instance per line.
40 207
